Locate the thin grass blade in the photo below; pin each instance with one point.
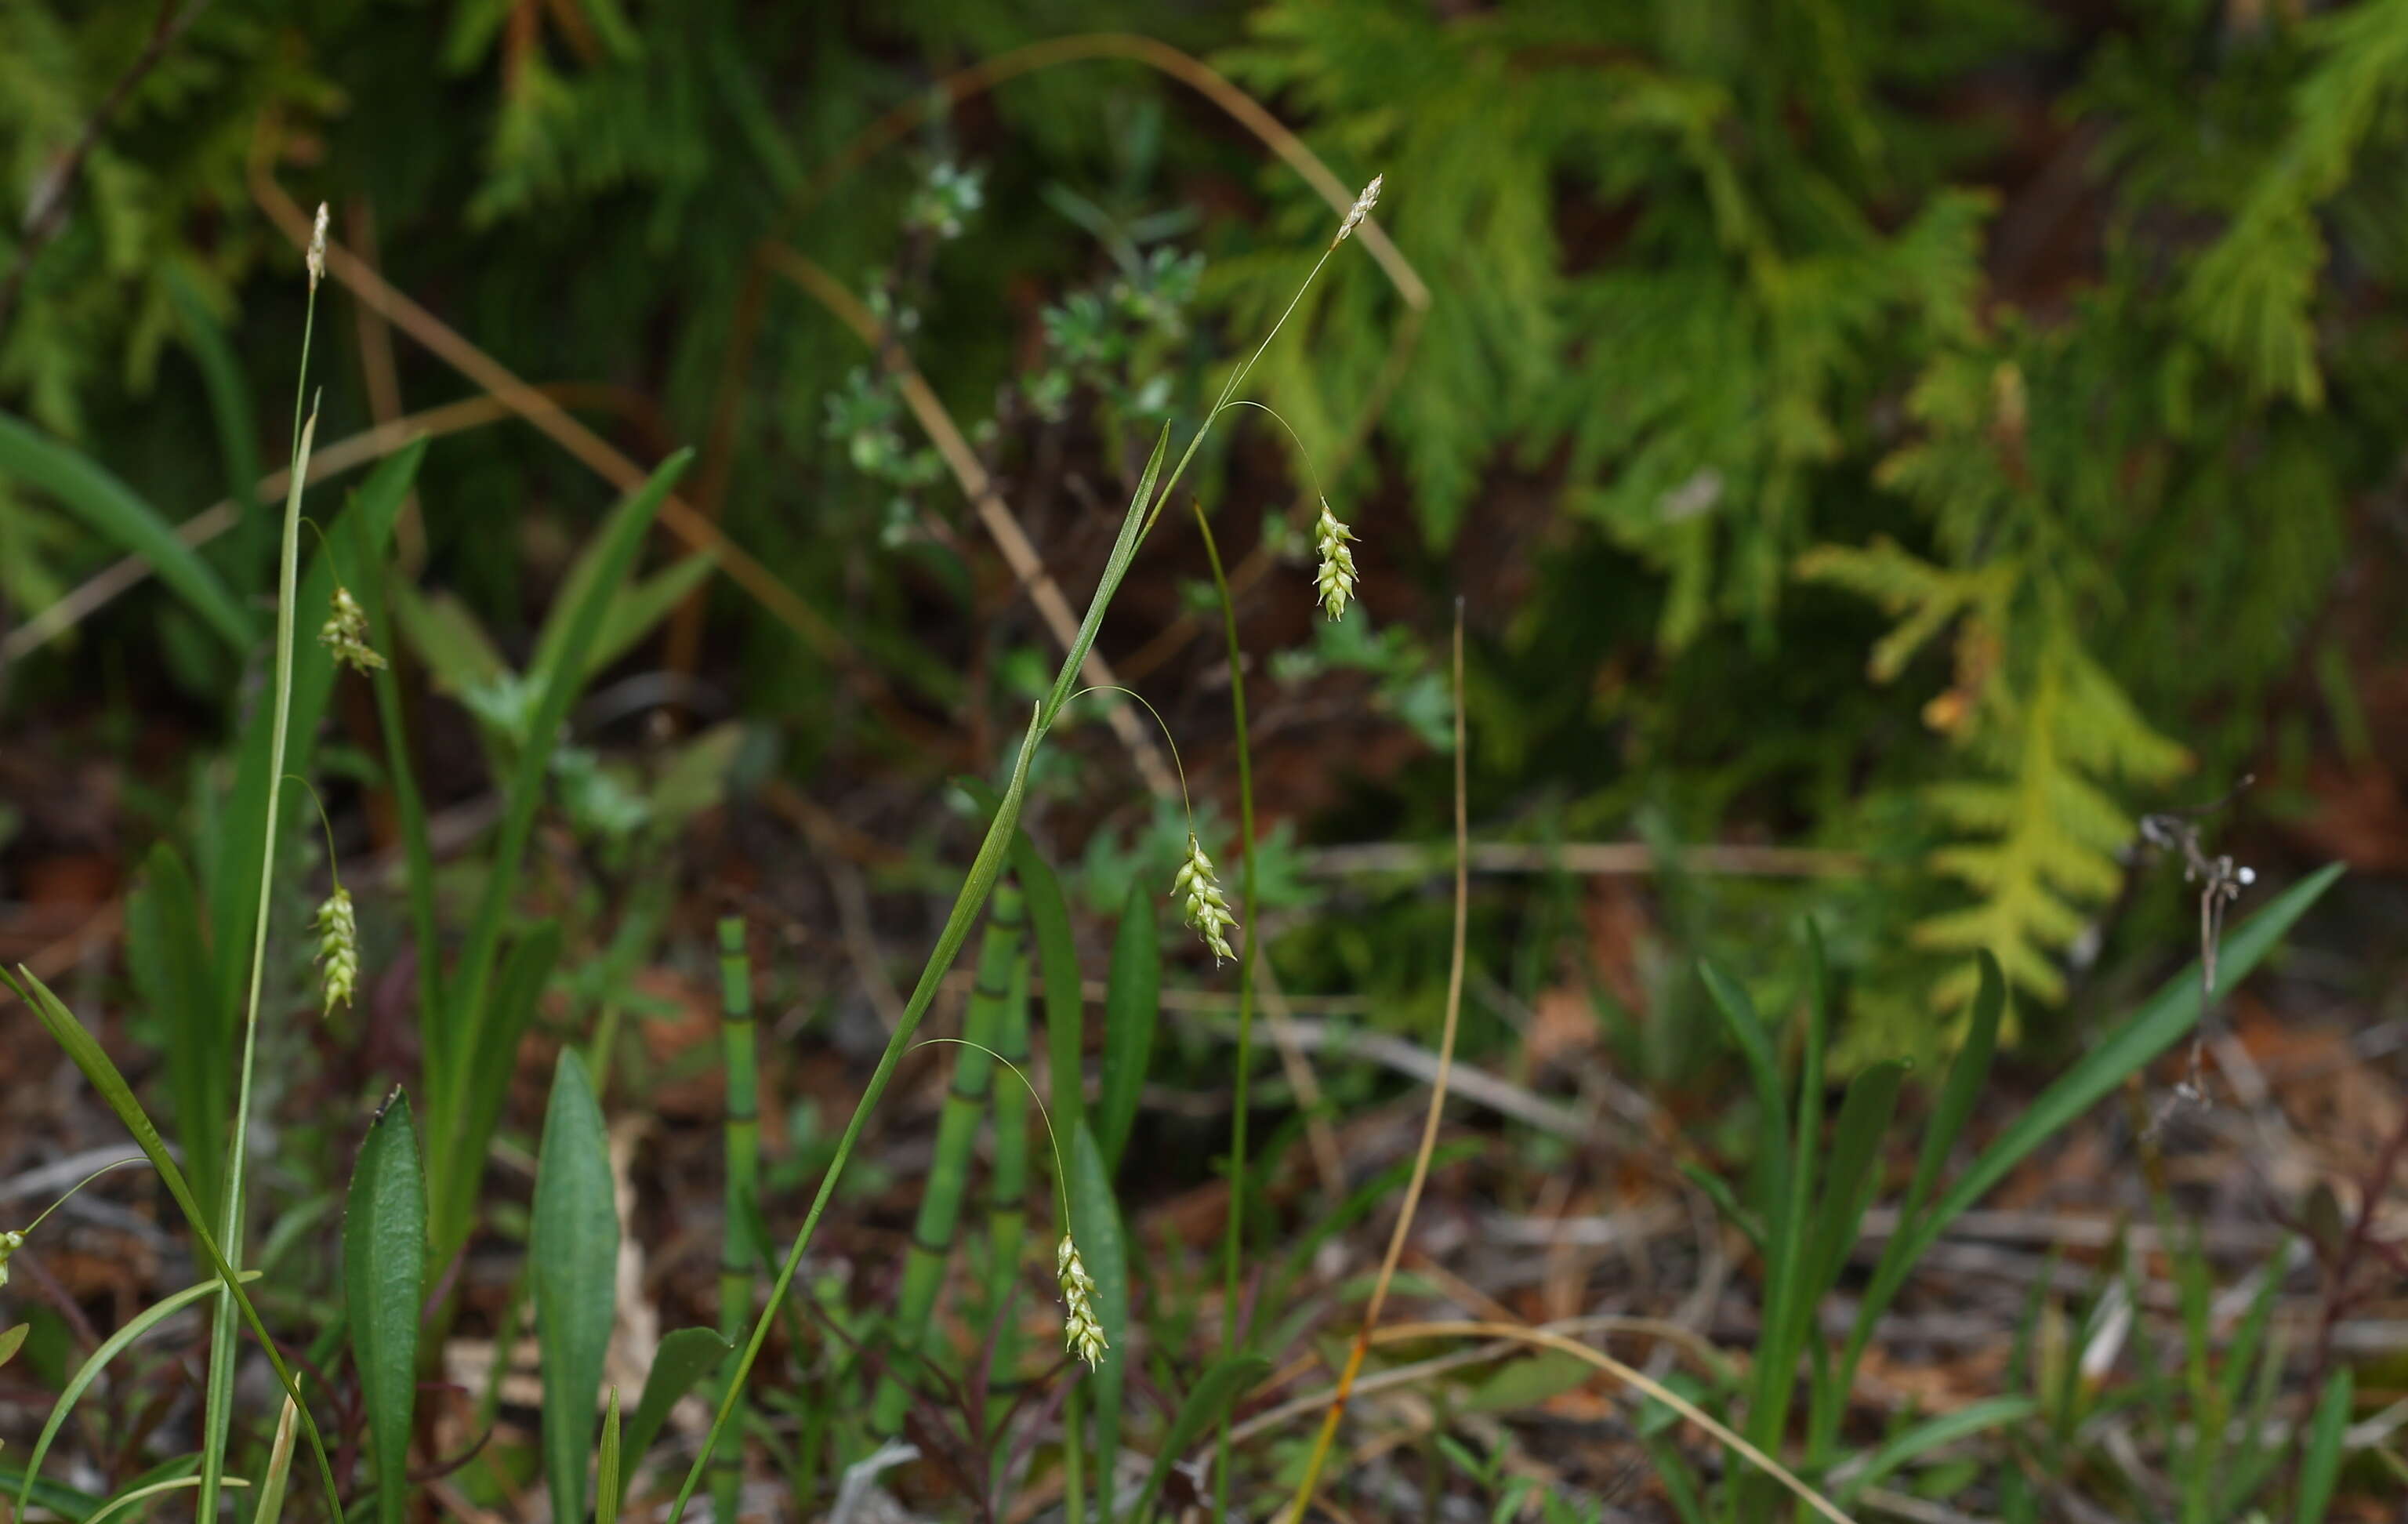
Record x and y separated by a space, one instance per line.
1057 959
739 1243
2320 1464
1132 1011
114 511
102 1073
89 1371
606 1480
1930 1435
1096 1222
1222 1383
2147 1032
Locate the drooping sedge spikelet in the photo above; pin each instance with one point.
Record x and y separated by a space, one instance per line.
338 947
1207 909
1082 1335
1335 578
1360 209
11 1241
346 634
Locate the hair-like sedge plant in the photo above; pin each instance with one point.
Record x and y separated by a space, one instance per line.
217 1413
948 1167
742 1130
1146 506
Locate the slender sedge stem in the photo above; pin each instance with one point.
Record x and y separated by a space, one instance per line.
1233 1243
742 1129
218 1415
1230 389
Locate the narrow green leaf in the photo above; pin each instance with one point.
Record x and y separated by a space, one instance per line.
384 1282
627 612
2320 1463
458 1167
1726 1201
636 609
134 1496
112 509
1930 1435
100 1072
560 676
1096 1226
1133 526
1949 1113
237 427
1848 1175
1763 1072
573 1255
1132 1009
66 1502
1227 1380
684 1357
89 1371
169 958
2147 1032
1057 960
605 1478
458 654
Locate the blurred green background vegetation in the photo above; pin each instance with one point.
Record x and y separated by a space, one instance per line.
1924 435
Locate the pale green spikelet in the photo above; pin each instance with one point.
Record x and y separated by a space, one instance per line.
1205 909
11 1241
1360 209
338 948
318 248
346 634
1335 579
1082 1335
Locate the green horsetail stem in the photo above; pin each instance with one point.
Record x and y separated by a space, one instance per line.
948 1170
1007 1183
742 1130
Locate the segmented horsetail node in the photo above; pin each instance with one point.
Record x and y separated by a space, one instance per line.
1335 578
1360 209
346 634
1207 909
318 248
338 948
1082 1335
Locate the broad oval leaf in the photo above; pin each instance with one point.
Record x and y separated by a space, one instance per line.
574 1256
384 1282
